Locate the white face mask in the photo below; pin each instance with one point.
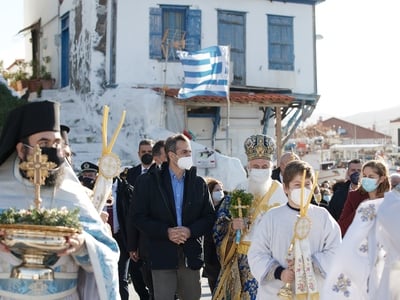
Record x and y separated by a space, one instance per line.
185 163
218 196
259 175
295 196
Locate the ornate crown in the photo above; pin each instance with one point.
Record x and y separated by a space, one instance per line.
259 146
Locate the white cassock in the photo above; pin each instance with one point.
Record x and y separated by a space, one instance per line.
352 267
386 271
272 239
90 274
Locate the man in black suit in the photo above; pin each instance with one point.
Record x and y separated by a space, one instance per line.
173 209
122 193
141 283
287 157
146 159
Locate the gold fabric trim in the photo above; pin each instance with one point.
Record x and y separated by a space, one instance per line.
243 247
261 204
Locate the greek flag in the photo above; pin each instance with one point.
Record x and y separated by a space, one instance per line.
206 72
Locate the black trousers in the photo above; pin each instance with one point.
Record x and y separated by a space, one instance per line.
135 271
123 264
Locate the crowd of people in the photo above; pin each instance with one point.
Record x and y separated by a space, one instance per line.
164 226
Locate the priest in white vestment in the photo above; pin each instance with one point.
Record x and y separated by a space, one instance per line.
88 269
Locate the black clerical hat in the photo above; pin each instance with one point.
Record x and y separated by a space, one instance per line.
26 120
64 130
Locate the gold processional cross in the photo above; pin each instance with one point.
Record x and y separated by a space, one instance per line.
239 208
37 169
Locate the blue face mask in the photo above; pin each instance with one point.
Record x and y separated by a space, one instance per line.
326 198
369 184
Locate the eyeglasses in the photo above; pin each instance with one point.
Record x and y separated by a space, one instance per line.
46 144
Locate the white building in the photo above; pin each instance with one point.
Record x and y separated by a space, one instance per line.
98 47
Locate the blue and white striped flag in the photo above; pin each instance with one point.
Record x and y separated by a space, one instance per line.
206 72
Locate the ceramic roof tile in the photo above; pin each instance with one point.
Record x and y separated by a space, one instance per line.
237 98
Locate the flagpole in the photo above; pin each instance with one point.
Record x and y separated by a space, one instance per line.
228 116
228 113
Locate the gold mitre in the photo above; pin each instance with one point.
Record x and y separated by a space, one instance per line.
259 146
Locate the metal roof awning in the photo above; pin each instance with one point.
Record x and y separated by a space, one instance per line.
35 25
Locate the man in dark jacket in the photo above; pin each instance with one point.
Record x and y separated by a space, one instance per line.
286 158
122 193
341 189
172 207
146 159
141 282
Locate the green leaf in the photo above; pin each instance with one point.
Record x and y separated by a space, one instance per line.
240 200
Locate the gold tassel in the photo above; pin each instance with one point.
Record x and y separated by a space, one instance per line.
315 296
301 296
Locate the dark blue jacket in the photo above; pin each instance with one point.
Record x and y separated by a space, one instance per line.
153 212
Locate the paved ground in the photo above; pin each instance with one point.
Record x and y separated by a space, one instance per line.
205 291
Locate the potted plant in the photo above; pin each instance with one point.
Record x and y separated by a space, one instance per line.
45 75
19 78
41 77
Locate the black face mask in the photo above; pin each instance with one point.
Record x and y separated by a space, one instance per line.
53 155
147 158
88 182
56 175
354 178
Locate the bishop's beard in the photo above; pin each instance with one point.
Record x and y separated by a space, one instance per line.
258 189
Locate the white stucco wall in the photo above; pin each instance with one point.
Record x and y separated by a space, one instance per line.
135 67
47 11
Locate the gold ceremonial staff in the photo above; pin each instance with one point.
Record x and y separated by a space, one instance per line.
301 229
109 164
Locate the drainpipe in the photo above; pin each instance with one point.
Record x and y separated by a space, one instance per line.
315 50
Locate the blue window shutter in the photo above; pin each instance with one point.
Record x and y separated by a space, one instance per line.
155 33
280 43
193 27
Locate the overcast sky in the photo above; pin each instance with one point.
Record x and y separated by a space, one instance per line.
11 21
358 56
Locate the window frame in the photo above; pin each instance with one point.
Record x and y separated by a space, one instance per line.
280 43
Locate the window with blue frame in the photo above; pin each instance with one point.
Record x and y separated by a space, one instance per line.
280 43
173 28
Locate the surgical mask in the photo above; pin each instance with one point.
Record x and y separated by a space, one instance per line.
147 158
259 175
354 178
295 196
397 188
185 163
326 198
218 196
369 184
